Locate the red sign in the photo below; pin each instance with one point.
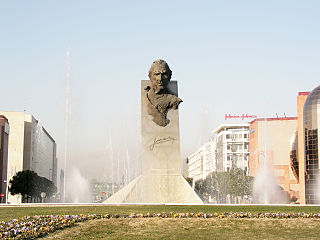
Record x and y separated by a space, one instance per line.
2 195
242 117
104 194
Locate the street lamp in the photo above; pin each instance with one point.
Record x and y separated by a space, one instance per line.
6 196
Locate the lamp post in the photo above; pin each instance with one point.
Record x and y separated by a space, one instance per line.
6 196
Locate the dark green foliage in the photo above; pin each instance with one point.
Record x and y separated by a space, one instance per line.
29 184
24 182
47 186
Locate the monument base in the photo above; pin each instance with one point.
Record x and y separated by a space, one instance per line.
156 189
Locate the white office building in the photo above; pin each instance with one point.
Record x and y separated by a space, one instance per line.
228 148
202 162
232 147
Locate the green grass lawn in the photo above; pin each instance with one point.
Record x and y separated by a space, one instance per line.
171 228
156 228
9 213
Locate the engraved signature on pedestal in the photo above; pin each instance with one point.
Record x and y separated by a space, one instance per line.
161 140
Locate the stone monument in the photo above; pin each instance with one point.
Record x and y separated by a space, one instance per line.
161 180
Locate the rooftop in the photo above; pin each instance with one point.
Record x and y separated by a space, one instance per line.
274 119
230 126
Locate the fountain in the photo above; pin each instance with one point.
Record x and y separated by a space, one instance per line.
159 178
265 188
66 123
78 187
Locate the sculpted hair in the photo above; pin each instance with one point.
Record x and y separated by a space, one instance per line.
160 62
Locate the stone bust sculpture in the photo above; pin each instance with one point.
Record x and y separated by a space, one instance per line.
158 98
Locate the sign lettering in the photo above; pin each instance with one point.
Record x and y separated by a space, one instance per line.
242 117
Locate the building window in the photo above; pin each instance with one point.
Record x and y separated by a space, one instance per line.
235 157
228 136
234 148
312 165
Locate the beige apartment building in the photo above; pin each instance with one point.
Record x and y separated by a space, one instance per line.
31 147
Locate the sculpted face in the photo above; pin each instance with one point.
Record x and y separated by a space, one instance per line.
160 75
160 101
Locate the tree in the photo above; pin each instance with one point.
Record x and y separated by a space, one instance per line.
24 183
47 186
30 185
220 184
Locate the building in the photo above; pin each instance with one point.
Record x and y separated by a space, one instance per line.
300 151
292 145
202 162
232 146
304 155
4 138
271 141
228 148
31 147
310 161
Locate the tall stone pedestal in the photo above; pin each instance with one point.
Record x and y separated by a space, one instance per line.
161 180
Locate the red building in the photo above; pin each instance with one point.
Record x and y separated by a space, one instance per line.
4 137
270 144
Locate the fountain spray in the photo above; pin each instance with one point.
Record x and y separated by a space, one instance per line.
111 159
66 122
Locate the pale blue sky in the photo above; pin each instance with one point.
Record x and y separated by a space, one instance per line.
228 57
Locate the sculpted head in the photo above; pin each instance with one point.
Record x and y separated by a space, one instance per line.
160 75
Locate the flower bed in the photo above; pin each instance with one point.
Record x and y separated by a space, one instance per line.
225 215
38 226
